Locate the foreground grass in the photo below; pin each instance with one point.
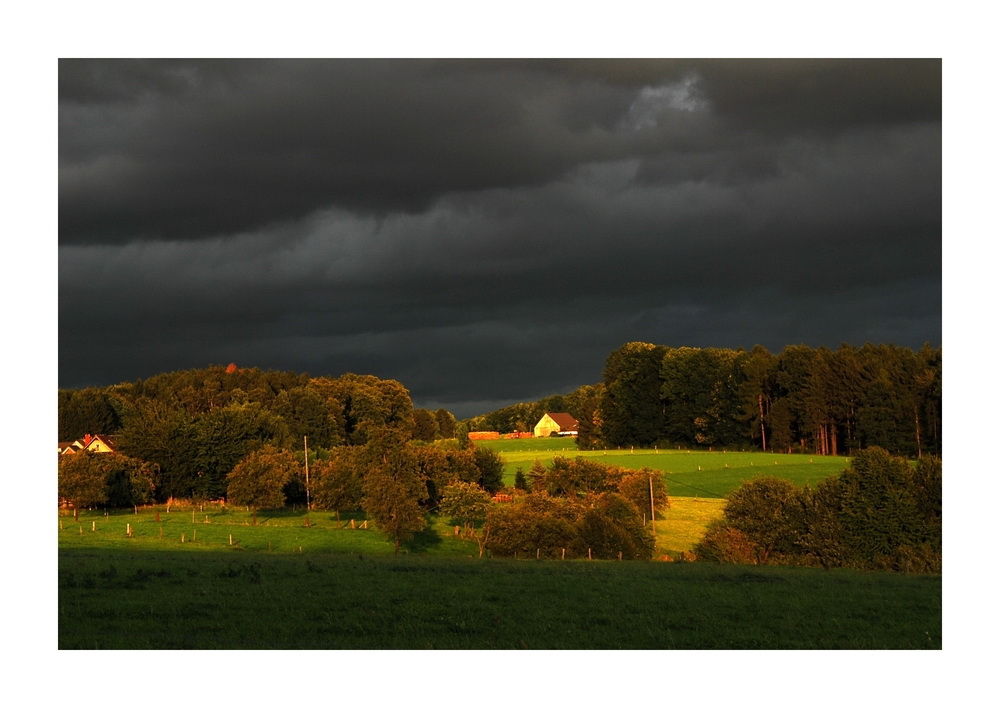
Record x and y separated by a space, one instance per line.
236 599
712 474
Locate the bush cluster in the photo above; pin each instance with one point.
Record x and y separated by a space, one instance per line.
578 508
882 513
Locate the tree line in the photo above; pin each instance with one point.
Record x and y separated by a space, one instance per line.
194 426
522 417
815 400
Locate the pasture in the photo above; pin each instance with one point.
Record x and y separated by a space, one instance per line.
205 577
697 483
711 474
211 528
235 599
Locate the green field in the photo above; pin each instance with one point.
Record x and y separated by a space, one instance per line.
206 577
697 483
239 599
210 528
688 473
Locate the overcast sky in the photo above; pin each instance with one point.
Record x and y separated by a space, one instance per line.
487 232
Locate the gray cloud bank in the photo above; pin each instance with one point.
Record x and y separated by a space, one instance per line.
488 231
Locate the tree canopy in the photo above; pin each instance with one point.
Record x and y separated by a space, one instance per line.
393 490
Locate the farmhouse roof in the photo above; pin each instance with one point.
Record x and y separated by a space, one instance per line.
106 440
565 421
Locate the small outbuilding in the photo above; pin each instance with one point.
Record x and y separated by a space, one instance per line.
561 423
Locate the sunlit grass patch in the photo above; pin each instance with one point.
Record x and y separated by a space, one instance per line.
690 473
684 523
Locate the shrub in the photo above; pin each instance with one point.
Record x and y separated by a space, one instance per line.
762 510
612 527
723 543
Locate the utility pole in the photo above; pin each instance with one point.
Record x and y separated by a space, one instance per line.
652 509
305 446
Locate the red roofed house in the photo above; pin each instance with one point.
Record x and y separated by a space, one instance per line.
98 443
561 423
91 443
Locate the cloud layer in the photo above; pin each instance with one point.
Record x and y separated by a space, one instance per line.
489 231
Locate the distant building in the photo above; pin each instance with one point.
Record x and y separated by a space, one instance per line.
69 448
561 423
90 443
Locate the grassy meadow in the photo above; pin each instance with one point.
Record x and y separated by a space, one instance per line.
688 473
211 528
159 599
206 577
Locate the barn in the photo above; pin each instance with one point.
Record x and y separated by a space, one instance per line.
561 423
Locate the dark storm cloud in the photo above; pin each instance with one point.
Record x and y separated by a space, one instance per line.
459 226
184 150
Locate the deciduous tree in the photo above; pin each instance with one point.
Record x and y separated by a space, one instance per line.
337 480
394 490
82 481
762 510
468 504
425 426
446 423
259 479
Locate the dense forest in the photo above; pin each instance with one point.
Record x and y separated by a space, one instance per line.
820 401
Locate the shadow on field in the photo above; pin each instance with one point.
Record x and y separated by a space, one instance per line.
423 541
